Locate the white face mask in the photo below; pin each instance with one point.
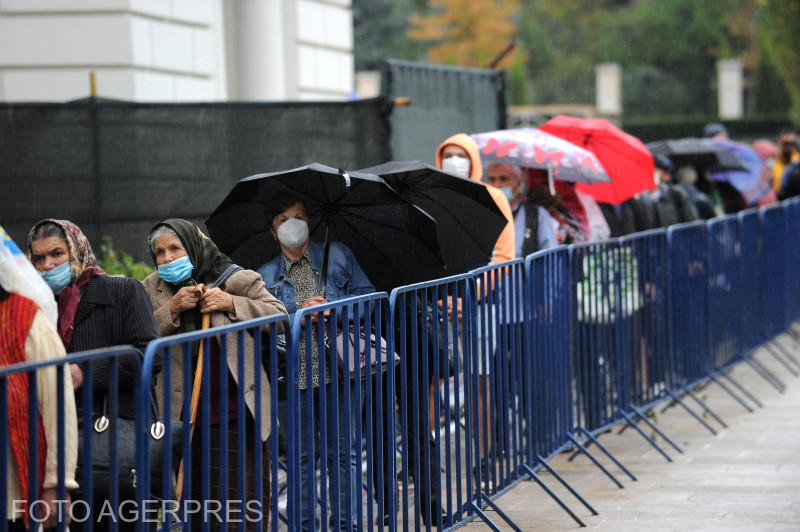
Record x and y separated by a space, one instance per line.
293 233
457 165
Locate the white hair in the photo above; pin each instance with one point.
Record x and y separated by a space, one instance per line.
158 231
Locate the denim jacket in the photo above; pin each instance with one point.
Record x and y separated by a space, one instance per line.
345 276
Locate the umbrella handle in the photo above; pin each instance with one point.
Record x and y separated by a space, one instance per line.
325 261
550 181
198 381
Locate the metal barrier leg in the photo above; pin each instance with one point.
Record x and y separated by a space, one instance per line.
564 483
786 353
608 453
650 440
744 390
714 377
793 331
703 405
766 374
691 412
555 497
596 462
485 518
776 356
653 426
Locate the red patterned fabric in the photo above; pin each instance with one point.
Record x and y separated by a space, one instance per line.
83 266
16 318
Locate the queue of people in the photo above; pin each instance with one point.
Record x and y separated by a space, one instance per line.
193 279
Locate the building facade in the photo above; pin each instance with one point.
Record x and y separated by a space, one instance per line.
176 50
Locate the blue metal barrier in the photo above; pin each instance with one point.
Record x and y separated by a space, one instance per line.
791 225
432 341
597 343
749 299
228 425
496 390
724 252
688 303
549 352
774 284
83 509
548 366
644 303
330 412
509 362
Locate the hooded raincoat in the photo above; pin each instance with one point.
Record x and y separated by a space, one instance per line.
504 247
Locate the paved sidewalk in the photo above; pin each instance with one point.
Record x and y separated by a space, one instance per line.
745 478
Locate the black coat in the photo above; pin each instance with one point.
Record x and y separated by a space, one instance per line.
673 205
113 311
530 241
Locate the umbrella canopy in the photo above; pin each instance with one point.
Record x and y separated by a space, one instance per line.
746 181
626 159
394 241
468 220
700 153
533 148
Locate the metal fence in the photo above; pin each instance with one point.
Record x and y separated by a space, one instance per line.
444 100
125 165
416 410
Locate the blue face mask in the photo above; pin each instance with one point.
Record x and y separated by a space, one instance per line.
57 278
176 271
508 192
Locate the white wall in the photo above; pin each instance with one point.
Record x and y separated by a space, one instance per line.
176 50
143 50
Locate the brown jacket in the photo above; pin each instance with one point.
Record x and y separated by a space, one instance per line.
250 300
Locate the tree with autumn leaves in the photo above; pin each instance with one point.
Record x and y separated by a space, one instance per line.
469 33
668 49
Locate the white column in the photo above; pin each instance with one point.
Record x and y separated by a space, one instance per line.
729 90
256 49
608 88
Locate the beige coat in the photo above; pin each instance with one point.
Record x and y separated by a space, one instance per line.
250 300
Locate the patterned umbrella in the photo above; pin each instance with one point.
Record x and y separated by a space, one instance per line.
626 159
533 148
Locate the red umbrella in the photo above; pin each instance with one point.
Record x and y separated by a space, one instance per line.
626 159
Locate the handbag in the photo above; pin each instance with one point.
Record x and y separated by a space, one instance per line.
378 353
103 429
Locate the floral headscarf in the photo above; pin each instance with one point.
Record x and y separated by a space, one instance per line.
82 265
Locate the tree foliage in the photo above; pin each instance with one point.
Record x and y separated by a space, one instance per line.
379 31
668 49
466 32
781 26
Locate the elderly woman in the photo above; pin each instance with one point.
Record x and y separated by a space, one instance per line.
94 311
295 277
185 257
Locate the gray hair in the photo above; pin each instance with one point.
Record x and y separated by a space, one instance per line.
687 175
159 231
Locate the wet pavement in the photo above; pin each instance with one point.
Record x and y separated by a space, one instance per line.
747 477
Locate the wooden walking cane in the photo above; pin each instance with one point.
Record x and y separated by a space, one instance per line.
198 380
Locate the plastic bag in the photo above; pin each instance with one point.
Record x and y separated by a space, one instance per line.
18 276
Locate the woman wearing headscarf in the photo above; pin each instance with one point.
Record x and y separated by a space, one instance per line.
186 258
94 311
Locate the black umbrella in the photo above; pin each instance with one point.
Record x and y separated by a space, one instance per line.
468 220
393 241
695 152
